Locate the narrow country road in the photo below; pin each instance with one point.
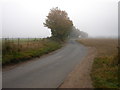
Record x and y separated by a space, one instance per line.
45 72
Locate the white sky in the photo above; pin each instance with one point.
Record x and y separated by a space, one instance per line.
24 18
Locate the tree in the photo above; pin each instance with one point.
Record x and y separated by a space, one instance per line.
76 33
59 23
83 34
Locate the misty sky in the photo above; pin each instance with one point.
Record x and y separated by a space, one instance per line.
24 18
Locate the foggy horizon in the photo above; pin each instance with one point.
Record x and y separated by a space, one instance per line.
25 18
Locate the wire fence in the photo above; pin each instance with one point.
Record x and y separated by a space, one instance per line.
11 45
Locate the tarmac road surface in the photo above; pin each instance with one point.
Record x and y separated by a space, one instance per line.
45 72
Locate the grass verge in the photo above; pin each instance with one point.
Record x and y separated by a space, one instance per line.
12 55
104 72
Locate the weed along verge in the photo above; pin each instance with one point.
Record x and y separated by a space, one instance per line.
104 72
18 50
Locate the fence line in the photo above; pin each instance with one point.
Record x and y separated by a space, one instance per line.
19 44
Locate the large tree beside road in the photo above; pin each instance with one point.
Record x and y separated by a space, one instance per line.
59 23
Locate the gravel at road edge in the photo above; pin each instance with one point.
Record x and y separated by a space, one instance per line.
80 76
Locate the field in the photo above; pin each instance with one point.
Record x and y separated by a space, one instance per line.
21 49
104 72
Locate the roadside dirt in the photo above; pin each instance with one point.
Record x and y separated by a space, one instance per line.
80 76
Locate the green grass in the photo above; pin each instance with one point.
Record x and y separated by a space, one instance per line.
0 50
104 73
105 67
35 49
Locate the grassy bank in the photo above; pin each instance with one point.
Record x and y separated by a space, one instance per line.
15 51
105 67
0 50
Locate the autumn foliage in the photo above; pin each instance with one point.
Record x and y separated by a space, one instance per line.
59 23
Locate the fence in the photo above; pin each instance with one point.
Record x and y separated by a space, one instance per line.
10 45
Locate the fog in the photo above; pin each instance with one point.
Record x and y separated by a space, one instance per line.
24 18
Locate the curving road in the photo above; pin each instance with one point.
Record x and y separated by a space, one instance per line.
45 72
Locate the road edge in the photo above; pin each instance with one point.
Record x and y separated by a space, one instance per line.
80 76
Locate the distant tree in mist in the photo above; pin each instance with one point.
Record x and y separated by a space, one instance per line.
59 23
76 33
83 34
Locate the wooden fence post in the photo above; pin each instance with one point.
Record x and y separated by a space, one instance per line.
28 43
18 44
